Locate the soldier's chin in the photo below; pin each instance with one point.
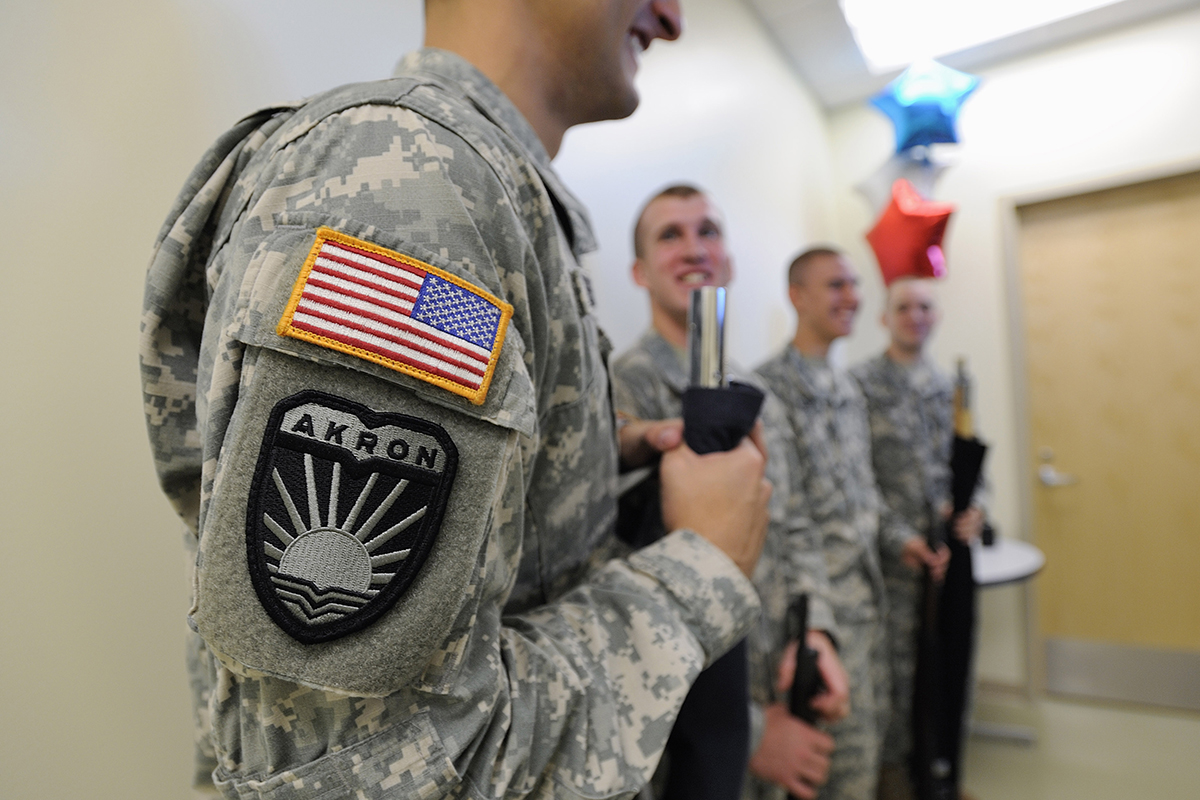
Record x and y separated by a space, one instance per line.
631 106
620 103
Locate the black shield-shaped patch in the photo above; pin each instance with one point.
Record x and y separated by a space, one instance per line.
344 508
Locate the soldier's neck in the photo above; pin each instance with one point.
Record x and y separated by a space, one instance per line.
811 344
903 355
671 328
479 32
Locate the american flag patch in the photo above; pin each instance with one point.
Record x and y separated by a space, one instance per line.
380 305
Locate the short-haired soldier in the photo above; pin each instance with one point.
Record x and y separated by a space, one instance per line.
376 395
679 245
849 529
909 404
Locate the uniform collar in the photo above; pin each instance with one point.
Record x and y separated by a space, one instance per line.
818 378
668 360
921 375
453 71
458 75
810 370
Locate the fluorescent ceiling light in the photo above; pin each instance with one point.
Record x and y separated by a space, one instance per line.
895 33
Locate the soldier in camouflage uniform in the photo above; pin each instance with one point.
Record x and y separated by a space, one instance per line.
376 394
679 244
847 530
909 402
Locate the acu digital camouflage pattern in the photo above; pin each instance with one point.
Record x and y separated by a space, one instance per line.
574 692
648 383
847 532
912 428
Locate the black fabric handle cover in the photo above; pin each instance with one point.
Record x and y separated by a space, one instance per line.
710 743
715 420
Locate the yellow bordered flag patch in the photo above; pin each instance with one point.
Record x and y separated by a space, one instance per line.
359 298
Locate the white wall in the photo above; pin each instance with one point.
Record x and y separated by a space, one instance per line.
1117 105
721 109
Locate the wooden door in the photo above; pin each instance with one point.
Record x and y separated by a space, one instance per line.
1111 292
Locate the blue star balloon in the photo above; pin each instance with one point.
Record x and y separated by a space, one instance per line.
923 103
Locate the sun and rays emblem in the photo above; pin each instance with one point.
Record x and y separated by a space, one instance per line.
344 508
328 567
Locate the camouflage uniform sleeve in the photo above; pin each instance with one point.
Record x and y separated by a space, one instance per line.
894 531
800 542
362 520
758 724
598 677
802 556
172 321
807 569
766 642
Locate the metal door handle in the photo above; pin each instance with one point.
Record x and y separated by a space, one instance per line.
1051 477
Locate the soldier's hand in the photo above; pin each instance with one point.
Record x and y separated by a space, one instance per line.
641 441
832 704
791 754
721 496
968 526
916 554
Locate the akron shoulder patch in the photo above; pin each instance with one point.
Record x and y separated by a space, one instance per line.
344 509
358 298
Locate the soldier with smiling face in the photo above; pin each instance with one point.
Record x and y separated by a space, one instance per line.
376 395
679 245
848 530
909 401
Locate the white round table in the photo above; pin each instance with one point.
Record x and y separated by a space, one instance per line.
1006 561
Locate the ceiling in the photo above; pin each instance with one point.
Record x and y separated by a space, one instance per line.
814 36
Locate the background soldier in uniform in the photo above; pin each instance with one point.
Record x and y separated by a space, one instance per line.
376 395
848 530
679 244
909 404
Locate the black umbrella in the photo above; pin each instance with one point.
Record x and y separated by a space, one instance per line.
947 633
807 682
709 745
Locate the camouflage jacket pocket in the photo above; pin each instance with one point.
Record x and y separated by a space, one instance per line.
339 292
356 485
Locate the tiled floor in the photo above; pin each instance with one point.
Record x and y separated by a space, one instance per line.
1085 752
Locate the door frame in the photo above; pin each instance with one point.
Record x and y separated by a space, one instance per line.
1010 229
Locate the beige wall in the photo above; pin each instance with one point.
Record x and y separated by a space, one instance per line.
1119 105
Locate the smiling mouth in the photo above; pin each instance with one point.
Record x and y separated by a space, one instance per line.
696 278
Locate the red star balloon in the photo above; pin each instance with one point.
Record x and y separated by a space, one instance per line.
907 237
